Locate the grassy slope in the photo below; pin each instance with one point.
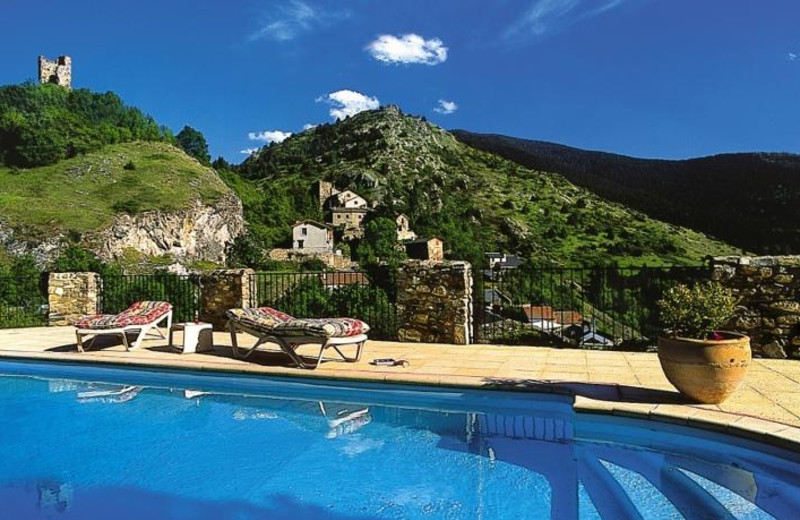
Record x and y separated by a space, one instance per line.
80 194
425 171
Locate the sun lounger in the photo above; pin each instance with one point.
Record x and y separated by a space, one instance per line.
142 316
269 325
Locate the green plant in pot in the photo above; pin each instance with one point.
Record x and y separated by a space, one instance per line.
702 362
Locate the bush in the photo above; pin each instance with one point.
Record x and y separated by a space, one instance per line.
129 166
696 311
131 206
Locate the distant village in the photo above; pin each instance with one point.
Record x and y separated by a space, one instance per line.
345 214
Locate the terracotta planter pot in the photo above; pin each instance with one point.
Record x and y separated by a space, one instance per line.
708 371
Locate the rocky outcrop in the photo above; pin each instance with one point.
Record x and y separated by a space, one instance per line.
199 233
17 242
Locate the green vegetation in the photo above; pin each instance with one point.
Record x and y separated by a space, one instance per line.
84 193
308 298
698 310
23 294
473 200
43 124
380 244
751 200
194 144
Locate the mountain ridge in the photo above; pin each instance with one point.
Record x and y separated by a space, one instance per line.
748 198
476 201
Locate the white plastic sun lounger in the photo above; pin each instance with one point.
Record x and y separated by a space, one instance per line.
144 317
271 326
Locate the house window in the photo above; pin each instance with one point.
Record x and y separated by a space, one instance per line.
300 244
304 231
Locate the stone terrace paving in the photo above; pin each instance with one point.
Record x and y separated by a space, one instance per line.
625 383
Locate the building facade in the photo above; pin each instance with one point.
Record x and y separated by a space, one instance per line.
309 237
404 232
425 249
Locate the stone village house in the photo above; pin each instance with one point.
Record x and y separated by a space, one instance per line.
425 249
310 237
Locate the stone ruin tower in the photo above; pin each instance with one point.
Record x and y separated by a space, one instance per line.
58 71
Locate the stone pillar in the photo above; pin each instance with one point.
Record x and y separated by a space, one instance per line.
72 295
221 290
768 288
434 302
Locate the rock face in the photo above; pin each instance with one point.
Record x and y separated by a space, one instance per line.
769 308
43 249
199 233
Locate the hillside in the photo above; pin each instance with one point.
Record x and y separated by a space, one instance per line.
751 200
475 201
85 193
43 124
141 199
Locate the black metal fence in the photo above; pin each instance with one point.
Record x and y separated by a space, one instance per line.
354 294
182 291
23 301
598 307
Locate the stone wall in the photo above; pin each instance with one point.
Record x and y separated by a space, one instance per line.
769 292
332 260
58 71
72 295
434 302
222 290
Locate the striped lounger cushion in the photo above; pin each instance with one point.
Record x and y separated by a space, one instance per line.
140 313
270 321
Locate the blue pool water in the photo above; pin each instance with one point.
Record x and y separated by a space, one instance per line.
88 443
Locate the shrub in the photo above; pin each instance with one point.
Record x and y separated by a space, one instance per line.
129 166
130 206
696 311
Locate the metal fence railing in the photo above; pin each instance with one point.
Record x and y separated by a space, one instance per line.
597 307
182 291
355 294
23 302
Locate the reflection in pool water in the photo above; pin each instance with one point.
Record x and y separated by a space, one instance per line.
180 445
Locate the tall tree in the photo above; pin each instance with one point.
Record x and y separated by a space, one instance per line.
193 142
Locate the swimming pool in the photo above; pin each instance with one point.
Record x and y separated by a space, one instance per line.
96 443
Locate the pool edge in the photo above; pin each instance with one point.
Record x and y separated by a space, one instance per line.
767 431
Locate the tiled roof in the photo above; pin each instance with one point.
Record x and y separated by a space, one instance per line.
567 317
538 312
334 279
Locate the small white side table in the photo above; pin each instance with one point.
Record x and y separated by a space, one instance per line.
197 337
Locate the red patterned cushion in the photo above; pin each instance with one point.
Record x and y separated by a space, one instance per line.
324 327
140 313
271 321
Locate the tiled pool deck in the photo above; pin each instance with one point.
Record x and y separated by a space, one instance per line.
767 407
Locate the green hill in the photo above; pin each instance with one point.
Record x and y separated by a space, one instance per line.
74 163
751 200
86 192
474 200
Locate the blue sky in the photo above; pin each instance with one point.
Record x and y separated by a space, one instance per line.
652 78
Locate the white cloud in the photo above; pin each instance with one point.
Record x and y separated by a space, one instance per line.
546 16
793 56
287 20
269 136
308 126
249 151
348 103
446 107
408 48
